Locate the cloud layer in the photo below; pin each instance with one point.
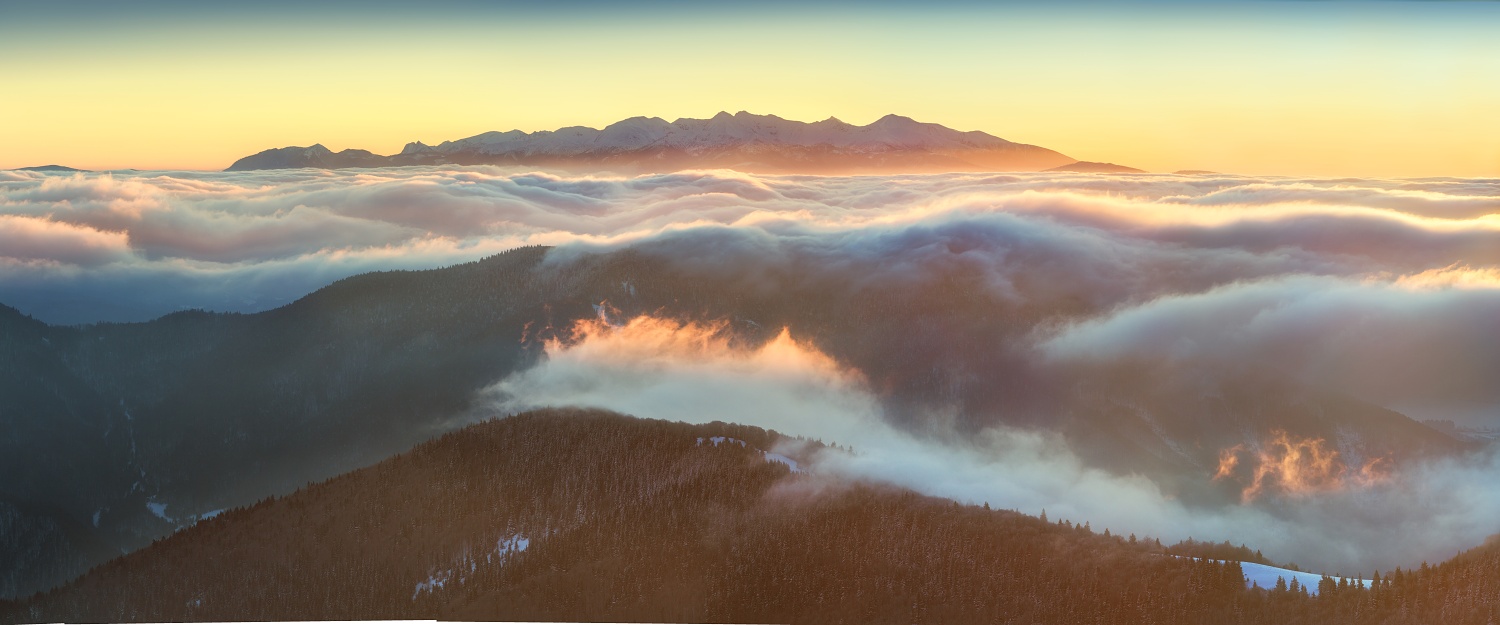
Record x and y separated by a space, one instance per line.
1382 288
973 291
696 373
130 246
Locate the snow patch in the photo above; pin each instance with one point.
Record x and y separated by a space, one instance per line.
1265 576
159 509
791 464
504 549
720 439
434 582
514 544
769 456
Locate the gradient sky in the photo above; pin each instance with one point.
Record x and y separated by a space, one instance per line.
1297 88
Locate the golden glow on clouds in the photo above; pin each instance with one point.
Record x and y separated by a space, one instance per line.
1455 276
1297 467
1351 89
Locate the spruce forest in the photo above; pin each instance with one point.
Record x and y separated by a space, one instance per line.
583 515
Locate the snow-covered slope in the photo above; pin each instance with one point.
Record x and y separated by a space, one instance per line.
891 132
312 156
760 142
1265 577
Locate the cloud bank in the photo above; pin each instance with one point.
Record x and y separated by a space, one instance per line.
134 245
1418 340
701 373
970 290
1385 289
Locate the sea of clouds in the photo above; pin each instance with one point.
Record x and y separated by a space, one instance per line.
696 373
1387 290
1397 281
133 245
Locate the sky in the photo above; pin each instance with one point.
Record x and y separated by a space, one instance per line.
1392 89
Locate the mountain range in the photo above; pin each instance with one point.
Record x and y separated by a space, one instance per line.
51 168
1088 167
158 425
743 141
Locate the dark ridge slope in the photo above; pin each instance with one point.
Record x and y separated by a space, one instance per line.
134 430
630 520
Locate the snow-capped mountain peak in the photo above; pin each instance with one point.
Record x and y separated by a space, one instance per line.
744 140
416 147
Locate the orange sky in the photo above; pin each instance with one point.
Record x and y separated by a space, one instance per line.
1385 89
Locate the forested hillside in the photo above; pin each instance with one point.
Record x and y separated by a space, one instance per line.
583 515
126 432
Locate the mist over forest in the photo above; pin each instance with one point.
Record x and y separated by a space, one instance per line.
1303 366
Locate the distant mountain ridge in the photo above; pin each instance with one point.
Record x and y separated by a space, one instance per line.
757 143
49 168
1087 167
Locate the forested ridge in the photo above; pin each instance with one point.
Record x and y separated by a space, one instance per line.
584 515
123 433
